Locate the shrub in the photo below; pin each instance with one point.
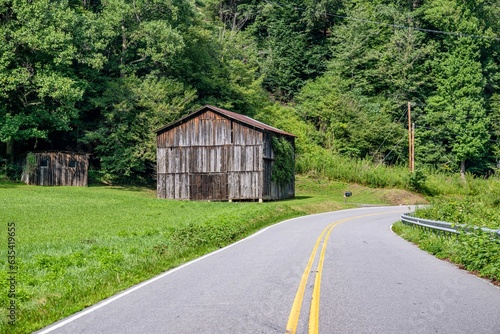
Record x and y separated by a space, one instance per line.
416 181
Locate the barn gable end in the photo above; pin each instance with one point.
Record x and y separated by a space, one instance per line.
215 154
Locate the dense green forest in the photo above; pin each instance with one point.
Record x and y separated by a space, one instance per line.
100 75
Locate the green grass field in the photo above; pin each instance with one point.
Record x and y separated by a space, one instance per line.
77 246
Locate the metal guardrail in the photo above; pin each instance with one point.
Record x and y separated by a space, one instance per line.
407 218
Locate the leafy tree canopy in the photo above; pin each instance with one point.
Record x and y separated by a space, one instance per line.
103 74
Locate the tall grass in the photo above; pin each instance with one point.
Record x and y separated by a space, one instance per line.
426 180
350 170
439 184
471 201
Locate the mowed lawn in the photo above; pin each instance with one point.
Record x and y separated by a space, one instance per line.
76 246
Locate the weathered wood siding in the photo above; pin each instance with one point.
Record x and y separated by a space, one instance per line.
208 129
245 163
213 157
209 157
59 169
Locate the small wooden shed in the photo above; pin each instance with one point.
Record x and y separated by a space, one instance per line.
215 154
56 168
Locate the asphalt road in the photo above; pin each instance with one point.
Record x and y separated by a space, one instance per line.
364 280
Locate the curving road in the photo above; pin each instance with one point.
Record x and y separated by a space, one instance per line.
338 272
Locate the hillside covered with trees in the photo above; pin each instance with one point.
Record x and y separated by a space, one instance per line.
100 75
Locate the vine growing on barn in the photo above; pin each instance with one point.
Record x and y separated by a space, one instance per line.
284 162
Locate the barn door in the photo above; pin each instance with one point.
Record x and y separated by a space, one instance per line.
208 187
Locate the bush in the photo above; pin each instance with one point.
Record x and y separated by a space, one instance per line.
416 181
469 210
479 251
11 172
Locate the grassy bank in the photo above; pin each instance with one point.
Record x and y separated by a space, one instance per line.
472 202
477 252
427 181
76 246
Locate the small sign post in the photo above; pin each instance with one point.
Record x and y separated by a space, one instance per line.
347 194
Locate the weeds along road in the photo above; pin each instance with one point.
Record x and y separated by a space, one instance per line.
338 272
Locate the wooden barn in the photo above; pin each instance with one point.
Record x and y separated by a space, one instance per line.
56 168
215 154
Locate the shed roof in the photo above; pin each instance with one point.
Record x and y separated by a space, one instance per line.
229 114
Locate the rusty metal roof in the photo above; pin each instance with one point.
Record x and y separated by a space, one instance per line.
229 114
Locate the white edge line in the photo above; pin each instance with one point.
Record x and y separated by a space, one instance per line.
109 300
147 282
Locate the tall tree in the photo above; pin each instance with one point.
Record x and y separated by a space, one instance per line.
495 129
293 39
345 125
45 46
168 53
376 68
131 109
379 55
455 118
146 42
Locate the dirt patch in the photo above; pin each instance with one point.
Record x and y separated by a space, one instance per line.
403 197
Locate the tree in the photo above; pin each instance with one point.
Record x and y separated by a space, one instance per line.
164 60
132 108
45 47
293 40
494 115
455 117
346 126
379 55
375 69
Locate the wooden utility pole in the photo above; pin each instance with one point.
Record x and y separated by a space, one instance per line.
411 140
412 147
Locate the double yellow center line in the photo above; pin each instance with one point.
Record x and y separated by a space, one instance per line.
293 319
